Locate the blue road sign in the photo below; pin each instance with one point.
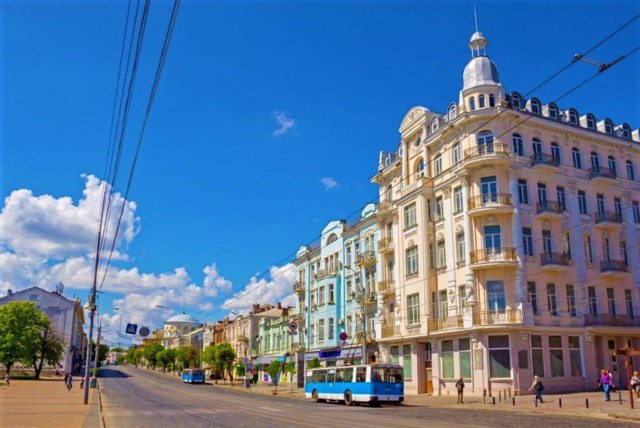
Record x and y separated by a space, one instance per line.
131 328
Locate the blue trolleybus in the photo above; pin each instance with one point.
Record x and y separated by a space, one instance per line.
373 384
193 376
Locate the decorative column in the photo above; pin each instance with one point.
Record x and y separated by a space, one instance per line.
577 252
468 247
516 226
449 251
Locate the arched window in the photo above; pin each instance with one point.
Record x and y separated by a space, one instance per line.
626 131
555 153
595 162
612 165
332 238
631 173
577 158
591 121
452 112
472 103
518 146
492 100
434 125
516 101
485 142
537 147
437 165
481 103
535 106
420 169
608 126
573 117
553 111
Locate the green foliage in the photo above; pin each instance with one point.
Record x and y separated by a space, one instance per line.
187 356
21 325
117 349
150 351
209 355
225 356
241 369
273 369
314 363
166 358
121 359
47 350
134 356
291 368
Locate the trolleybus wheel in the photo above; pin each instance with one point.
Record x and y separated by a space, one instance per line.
348 398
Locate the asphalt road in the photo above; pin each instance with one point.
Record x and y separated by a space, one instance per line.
139 398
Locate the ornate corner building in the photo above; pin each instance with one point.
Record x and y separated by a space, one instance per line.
507 242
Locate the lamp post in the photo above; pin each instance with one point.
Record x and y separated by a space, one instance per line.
120 328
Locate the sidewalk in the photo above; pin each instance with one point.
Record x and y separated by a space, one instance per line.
572 404
46 402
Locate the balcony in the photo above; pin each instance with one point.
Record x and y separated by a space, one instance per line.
299 287
549 209
611 320
370 298
602 175
383 206
502 317
322 273
554 261
479 156
389 330
385 245
611 268
545 161
386 287
366 258
605 219
242 338
490 203
446 323
494 257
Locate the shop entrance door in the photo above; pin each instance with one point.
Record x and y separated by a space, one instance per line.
427 368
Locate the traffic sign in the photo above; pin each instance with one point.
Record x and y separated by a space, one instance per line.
131 328
343 336
144 331
293 327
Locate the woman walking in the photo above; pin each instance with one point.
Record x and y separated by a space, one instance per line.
538 387
635 384
605 382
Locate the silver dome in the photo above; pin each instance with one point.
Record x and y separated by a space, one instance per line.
480 71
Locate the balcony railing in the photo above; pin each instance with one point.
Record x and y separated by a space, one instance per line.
485 150
544 159
549 207
454 321
607 217
386 286
611 320
561 259
321 273
366 258
613 266
602 172
498 254
490 200
385 244
505 316
298 287
388 330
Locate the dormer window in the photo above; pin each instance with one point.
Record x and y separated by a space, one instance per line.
481 101
434 125
591 121
608 126
516 101
573 117
553 111
400 150
387 159
452 112
626 131
535 106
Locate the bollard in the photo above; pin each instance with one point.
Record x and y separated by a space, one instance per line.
560 402
500 396
513 399
509 392
494 401
484 396
586 401
620 397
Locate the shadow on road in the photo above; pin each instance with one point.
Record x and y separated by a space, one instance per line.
112 372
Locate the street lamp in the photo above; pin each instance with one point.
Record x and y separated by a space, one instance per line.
120 329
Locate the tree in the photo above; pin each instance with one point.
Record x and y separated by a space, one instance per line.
48 349
150 352
102 355
117 349
187 356
314 363
225 356
166 358
291 370
273 369
21 324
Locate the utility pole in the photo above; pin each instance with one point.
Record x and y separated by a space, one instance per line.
92 309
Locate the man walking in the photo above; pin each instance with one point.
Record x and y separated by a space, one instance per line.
538 387
460 388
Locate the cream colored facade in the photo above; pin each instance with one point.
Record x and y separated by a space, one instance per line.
510 234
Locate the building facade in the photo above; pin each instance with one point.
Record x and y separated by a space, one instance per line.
509 242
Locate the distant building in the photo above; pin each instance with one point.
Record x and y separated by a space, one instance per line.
67 319
180 330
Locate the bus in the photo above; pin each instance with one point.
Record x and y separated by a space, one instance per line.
372 384
193 376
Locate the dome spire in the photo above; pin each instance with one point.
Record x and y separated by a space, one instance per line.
478 42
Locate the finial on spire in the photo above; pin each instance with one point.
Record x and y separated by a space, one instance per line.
478 43
475 16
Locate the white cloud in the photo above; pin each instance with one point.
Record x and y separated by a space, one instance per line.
262 291
286 123
329 183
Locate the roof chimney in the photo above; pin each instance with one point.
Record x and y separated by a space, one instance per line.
9 292
279 305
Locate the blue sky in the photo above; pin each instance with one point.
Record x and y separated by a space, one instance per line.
268 124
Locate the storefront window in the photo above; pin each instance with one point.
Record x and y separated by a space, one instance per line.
499 357
537 364
555 356
406 361
574 356
447 359
464 354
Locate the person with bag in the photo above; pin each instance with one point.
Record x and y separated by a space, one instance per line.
538 387
605 381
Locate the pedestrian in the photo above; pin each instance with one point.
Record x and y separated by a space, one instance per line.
7 379
460 388
635 384
605 381
538 387
69 382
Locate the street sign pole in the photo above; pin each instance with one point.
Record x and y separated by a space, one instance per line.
628 353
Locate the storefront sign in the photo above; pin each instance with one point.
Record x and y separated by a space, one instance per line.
330 354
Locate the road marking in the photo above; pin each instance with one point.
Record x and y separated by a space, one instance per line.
269 408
